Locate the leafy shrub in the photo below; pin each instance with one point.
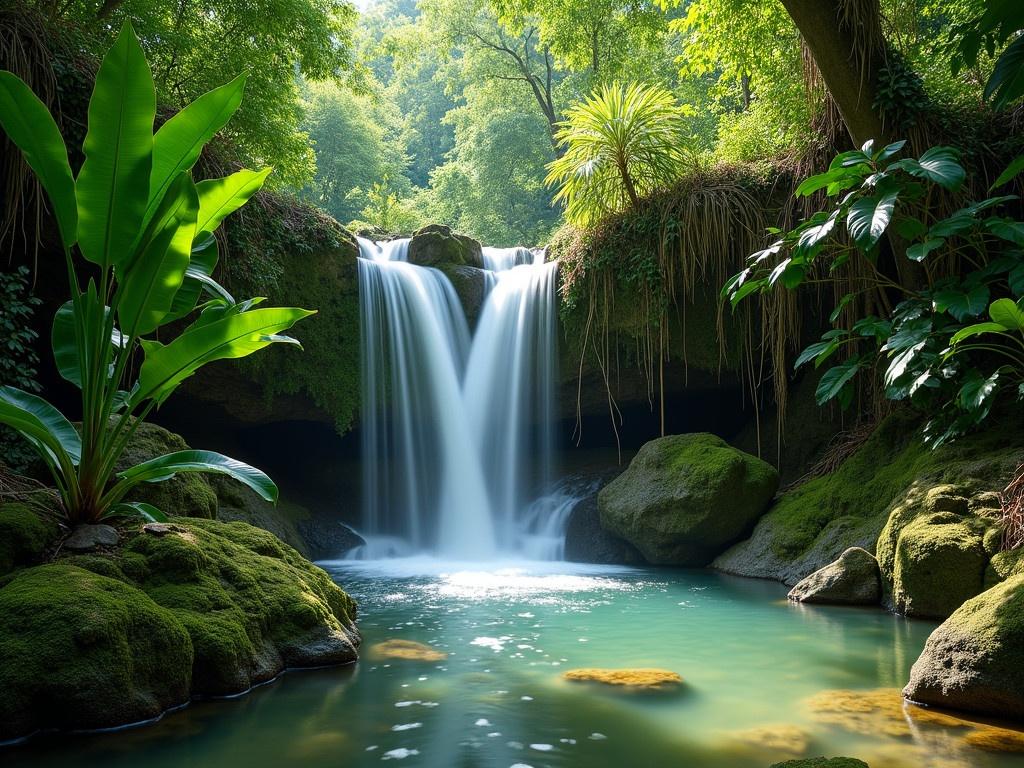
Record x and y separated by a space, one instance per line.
18 358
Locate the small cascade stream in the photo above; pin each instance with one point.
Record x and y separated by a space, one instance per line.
457 427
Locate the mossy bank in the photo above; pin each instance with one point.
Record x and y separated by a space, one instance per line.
189 608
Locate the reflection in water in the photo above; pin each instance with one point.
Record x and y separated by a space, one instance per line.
765 681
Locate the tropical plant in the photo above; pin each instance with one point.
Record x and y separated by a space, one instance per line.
998 25
947 272
145 231
618 146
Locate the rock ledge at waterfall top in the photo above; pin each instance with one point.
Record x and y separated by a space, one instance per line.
436 245
685 498
203 608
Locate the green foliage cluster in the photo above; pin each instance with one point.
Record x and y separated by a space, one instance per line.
145 231
19 362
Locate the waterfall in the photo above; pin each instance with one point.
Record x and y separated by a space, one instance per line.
457 429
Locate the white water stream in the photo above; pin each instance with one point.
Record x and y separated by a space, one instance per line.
457 428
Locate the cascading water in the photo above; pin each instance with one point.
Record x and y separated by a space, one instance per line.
457 429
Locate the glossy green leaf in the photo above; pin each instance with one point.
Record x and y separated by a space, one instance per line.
1011 172
977 329
153 280
41 424
200 269
137 509
218 198
31 128
167 466
178 143
835 381
920 251
165 367
939 165
962 302
976 392
1007 229
1007 313
1006 83
869 217
113 185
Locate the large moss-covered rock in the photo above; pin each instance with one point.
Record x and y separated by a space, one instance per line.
187 494
80 650
1003 566
24 534
940 562
974 660
251 604
823 762
470 285
436 245
684 498
811 525
853 579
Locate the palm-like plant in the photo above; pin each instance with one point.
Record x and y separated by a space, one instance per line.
145 231
619 145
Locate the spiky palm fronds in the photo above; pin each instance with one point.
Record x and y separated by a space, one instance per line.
620 145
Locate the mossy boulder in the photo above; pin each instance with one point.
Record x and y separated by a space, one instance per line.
188 494
974 661
81 650
809 526
853 579
251 604
470 285
24 534
1003 566
685 498
436 245
940 562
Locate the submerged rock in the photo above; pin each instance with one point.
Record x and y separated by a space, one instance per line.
974 661
89 537
993 739
650 679
853 579
785 739
408 650
437 245
685 498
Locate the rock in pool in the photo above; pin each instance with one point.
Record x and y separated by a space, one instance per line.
651 679
408 650
853 579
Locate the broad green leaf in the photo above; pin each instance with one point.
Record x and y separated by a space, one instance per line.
201 265
220 197
1007 313
873 326
939 165
1007 229
890 150
959 222
149 288
137 509
42 424
962 302
74 327
1011 172
902 362
869 217
835 381
838 310
920 251
813 351
1016 280
167 466
976 393
976 330
908 333
31 128
178 143
1006 83
113 185
165 367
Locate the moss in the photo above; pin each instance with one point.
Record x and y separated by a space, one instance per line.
630 678
823 762
1003 566
187 494
82 650
24 535
251 604
809 526
684 498
974 661
940 563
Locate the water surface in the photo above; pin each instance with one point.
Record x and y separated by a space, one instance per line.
752 663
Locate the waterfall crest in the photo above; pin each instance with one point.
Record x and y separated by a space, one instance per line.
457 429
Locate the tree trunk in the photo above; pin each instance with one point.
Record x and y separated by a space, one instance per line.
849 49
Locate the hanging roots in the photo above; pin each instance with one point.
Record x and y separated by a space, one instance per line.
1012 501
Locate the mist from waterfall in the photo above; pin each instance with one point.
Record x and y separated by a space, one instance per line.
457 428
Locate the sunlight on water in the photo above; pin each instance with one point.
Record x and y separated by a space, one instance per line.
764 681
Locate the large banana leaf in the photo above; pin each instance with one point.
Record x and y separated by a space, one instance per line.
29 125
167 466
200 270
113 185
179 141
153 279
236 335
220 197
41 424
79 316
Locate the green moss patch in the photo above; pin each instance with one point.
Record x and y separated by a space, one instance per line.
24 534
